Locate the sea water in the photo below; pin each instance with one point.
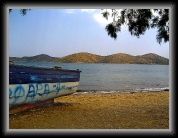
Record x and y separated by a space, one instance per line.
115 77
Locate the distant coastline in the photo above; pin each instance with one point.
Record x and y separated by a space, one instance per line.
84 57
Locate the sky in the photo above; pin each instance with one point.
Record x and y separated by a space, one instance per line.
61 32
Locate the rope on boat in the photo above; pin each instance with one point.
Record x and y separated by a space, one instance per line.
11 62
56 67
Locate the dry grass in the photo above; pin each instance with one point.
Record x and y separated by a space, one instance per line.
98 111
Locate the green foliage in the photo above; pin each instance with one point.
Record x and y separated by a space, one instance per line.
22 11
112 30
138 21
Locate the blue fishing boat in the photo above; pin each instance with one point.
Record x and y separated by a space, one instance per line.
30 86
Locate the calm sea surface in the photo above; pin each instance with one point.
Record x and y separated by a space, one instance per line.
116 77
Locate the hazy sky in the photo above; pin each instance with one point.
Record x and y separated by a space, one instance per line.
60 32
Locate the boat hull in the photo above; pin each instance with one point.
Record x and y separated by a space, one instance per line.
29 84
37 92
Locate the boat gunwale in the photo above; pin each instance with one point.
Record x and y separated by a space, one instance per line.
44 68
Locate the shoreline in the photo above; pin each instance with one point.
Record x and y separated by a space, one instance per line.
138 110
118 91
128 90
78 92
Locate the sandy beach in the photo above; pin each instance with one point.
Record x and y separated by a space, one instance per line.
139 110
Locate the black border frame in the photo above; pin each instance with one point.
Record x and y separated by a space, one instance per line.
76 5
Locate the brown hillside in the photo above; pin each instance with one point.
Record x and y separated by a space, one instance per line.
82 57
119 58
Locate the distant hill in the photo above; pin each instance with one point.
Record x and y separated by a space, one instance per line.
37 58
119 58
84 57
155 58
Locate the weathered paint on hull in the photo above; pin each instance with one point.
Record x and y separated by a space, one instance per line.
19 74
31 86
37 92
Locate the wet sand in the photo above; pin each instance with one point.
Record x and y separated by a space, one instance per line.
141 110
